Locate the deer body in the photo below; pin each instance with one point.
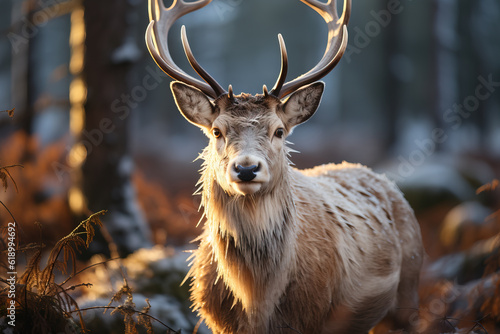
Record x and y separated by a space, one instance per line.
330 249
333 249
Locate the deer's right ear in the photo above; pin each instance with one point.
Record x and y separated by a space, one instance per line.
193 104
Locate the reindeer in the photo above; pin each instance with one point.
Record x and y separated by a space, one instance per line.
332 249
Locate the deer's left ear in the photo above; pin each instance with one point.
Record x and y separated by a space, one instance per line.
302 104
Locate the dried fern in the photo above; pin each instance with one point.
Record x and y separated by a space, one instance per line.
127 309
4 174
143 319
43 305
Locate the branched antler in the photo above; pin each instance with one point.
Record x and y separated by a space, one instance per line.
162 20
337 44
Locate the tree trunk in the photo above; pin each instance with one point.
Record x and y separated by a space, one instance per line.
20 38
107 169
392 84
446 77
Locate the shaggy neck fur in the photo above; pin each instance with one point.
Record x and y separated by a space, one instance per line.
252 239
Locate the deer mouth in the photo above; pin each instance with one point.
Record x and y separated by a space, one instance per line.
246 187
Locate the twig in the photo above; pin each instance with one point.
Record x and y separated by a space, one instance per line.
448 322
10 213
73 287
198 324
478 323
88 267
10 112
135 311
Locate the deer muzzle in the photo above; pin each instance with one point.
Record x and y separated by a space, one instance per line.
247 174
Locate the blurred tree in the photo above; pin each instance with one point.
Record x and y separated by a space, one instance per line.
445 71
392 89
22 63
106 171
472 61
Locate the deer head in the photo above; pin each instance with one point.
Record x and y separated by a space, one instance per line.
247 150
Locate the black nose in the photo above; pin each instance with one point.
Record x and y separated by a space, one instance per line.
246 174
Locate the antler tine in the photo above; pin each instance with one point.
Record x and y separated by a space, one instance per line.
335 25
264 91
337 43
197 67
284 68
162 20
329 11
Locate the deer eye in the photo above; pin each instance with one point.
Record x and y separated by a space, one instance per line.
279 133
216 132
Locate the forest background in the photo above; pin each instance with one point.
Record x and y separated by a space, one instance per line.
94 127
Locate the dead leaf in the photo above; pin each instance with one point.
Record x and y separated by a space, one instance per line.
488 186
10 112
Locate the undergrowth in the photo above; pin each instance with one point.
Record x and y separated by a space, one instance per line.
491 306
44 305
